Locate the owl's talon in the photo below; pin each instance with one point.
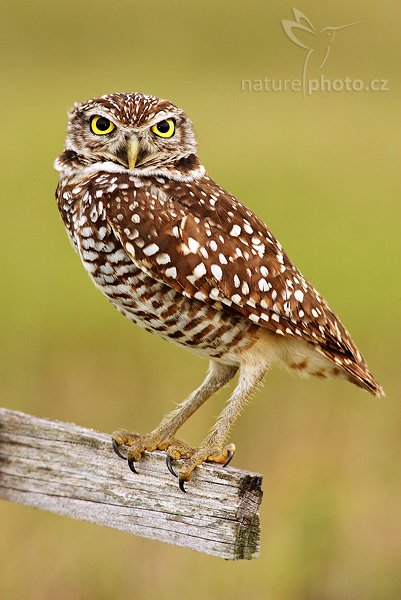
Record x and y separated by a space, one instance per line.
181 484
230 454
169 464
131 464
116 449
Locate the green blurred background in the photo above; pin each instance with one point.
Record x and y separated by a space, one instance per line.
323 172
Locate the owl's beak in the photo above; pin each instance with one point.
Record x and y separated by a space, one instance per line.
132 151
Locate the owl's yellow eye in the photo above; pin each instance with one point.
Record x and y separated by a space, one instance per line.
101 125
164 128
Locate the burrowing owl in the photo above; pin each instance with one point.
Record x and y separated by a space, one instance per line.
183 258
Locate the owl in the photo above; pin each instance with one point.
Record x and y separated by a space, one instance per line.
182 258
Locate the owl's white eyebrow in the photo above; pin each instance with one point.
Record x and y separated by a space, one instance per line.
101 113
161 116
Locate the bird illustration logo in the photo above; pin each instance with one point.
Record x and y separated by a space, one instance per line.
318 43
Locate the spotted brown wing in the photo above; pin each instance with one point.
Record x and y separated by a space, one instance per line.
201 241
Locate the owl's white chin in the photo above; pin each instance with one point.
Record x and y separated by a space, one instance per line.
108 166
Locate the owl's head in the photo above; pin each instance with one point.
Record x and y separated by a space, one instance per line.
133 131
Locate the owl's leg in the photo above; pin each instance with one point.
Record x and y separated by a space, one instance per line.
212 449
162 437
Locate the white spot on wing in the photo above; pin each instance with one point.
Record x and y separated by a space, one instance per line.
217 272
235 231
193 245
199 270
171 272
130 248
163 259
151 249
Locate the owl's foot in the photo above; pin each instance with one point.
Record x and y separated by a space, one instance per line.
193 458
176 450
138 444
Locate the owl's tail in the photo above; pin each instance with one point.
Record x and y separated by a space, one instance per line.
353 367
363 378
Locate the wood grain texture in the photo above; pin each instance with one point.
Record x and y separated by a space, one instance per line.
73 471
